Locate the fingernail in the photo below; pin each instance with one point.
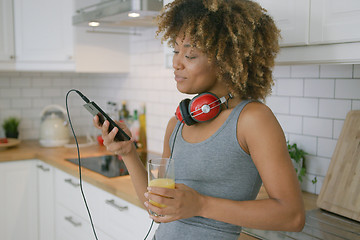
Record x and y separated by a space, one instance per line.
146 204
146 195
149 189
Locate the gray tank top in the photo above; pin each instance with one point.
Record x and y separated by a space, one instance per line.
216 167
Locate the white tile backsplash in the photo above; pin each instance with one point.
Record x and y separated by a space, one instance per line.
336 71
305 71
347 88
356 71
318 127
290 87
327 107
304 106
309 101
319 88
326 147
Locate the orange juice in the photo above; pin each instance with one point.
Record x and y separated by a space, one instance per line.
161 182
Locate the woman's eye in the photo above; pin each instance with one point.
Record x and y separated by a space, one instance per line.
190 57
175 52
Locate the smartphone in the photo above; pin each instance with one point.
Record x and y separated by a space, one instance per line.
94 109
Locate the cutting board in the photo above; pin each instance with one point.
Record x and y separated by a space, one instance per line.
340 192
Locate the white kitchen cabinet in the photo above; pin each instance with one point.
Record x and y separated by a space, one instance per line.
112 216
334 21
7 50
18 201
46 206
43 35
119 217
317 31
292 17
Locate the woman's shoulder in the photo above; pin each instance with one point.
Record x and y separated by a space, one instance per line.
256 111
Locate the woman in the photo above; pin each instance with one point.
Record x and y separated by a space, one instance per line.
226 48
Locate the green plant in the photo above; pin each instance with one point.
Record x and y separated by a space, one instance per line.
10 126
298 155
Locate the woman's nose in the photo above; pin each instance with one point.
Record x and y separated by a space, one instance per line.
177 64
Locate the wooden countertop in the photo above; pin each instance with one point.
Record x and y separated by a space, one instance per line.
119 186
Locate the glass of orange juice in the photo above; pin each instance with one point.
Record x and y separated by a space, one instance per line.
161 173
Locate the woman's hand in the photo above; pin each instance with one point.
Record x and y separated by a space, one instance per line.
122 148
181 202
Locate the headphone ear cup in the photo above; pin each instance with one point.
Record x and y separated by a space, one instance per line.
184 111
205 106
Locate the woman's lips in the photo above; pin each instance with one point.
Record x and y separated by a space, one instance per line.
179 78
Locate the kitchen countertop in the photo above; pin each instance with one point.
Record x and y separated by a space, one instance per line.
119 186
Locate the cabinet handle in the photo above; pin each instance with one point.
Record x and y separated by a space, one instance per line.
69 180
45 169
120 208
70 219
12 57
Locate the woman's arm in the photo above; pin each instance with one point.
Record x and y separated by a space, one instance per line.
260 134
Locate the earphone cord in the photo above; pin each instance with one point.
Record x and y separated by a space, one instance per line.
79 162
171 153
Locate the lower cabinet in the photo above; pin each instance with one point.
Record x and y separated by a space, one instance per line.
18 200
113 217
41 202
46 209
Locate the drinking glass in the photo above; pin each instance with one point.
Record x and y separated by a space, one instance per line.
161 173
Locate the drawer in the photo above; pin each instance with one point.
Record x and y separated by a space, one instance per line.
67 193
68 225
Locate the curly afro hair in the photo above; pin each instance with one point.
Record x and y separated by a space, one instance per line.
237 35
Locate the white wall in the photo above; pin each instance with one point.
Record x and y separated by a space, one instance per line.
310 102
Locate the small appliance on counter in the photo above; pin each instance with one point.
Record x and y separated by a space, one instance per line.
54 130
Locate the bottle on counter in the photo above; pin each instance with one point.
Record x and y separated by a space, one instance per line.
124 113
135 127
142 135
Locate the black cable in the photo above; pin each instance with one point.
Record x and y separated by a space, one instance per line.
171 153
78 152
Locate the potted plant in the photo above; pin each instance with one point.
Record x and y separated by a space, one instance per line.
10 126
297 155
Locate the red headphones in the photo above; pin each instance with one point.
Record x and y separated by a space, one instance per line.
201 108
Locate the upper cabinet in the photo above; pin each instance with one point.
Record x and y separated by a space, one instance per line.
334 21
316 31
43 35
7 50
38 35
292 17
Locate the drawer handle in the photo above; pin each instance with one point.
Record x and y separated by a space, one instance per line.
120 208
75 224
45 169
69 180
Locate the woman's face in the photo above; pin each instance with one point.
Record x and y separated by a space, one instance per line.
193 72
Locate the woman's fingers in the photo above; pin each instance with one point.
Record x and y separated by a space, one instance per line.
96 122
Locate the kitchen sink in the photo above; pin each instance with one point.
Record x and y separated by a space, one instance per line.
107 165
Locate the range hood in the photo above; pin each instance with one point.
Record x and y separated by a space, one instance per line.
119 14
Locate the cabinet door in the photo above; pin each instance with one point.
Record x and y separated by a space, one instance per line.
333 21
121 218
45 179
6 31
292 17
18 201
71 226
44 33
